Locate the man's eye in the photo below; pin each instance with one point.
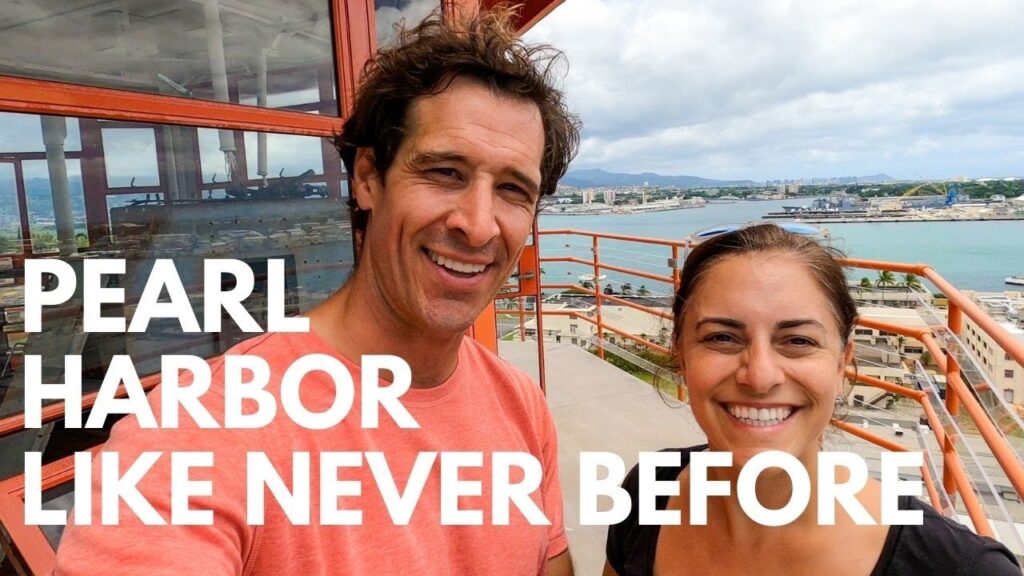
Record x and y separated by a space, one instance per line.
445 172
517 190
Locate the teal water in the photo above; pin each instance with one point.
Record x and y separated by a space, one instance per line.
971 255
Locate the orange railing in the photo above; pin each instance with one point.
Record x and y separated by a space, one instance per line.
955 482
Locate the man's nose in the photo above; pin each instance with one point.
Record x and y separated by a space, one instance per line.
474 214
760 370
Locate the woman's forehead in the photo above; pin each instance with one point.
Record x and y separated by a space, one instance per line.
771 285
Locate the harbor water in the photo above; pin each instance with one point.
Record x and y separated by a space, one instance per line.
973 255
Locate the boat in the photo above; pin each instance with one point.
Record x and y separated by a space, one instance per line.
1018 280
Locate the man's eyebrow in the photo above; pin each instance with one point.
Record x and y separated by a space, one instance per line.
798 323
730 322
422 159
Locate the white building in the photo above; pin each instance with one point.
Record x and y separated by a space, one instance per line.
1006 308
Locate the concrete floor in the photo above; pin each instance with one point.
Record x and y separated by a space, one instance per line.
599 408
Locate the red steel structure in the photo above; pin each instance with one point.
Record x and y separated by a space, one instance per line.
353 39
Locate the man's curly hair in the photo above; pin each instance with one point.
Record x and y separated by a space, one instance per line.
427 58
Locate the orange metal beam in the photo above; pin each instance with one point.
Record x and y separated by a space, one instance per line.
30 541
970 499
610 236
918 269
956 298
55 411
883 385
60 99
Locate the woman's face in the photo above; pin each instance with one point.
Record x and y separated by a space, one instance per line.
762 356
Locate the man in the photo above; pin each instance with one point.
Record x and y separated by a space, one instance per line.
455 136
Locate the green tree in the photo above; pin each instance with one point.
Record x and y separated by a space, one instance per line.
627 288
885 279
912 282
643 291
587 284
865 283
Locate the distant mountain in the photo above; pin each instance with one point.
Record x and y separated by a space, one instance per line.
875 179
598 177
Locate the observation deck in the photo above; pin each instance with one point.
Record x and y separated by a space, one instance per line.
921 384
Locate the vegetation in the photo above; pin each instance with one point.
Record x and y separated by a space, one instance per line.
885 279
912 282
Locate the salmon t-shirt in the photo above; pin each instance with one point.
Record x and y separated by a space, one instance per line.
486 407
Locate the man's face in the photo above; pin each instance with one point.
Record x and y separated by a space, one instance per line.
450 216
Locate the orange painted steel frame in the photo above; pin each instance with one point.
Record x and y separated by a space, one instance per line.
32 546
955 479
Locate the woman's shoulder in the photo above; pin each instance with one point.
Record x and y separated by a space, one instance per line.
941 546
630 546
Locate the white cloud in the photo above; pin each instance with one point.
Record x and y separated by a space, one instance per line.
788 89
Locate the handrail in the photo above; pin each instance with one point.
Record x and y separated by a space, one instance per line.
959 394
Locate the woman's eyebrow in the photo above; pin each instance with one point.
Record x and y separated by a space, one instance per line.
782 325
725 321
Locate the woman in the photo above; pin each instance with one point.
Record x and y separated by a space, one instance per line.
762 321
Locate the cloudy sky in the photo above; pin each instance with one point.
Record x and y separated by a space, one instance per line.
773 89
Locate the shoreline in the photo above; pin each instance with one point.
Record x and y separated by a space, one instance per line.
870 219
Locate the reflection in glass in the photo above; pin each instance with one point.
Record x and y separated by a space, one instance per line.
43 207
177 213
286 155
10 213
130 157
24 133
391 12
257 52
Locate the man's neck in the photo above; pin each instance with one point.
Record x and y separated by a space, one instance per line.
356 326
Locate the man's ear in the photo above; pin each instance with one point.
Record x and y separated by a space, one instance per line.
367 182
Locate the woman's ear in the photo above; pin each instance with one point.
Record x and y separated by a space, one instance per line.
848 354
367 183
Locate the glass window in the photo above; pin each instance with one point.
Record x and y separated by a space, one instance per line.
40 193
1008 373
227 51
24 133
288 156
391 12
300 218
10 216
129 155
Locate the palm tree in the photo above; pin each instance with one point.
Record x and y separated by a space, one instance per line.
587 284
865 283
912 282
885 278
627 288
643 291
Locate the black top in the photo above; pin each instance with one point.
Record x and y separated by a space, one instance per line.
938 547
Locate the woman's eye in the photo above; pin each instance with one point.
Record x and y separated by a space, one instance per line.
720 338
800 341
